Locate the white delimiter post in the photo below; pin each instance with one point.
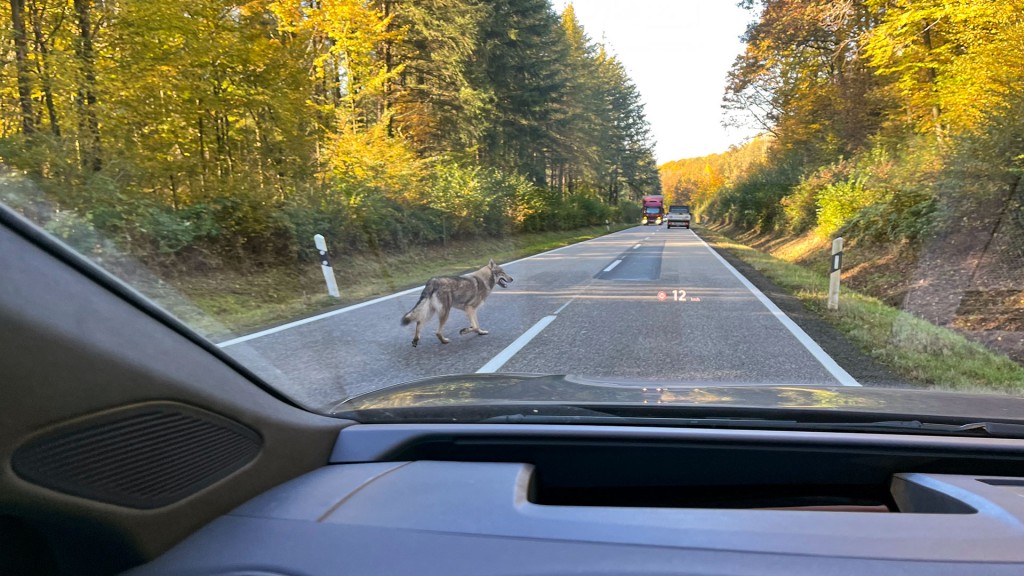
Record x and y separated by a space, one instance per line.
835 272
325 265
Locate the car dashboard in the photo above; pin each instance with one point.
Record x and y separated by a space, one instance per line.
562 499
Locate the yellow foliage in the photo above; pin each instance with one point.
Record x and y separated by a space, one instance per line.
368 161
352 31
953 61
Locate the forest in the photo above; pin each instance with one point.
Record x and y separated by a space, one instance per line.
206 132
886 120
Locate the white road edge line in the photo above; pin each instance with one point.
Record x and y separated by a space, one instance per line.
511 350
303 321
296 323
835 369
613 265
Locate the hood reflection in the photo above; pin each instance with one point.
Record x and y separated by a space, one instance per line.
496 389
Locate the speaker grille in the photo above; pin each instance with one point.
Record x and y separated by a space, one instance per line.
142 457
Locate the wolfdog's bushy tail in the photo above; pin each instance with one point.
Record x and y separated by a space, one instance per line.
411 315
420 312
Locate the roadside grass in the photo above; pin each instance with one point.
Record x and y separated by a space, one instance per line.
222 303
873 268
915 349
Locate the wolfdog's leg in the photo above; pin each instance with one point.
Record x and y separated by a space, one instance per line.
471 313
416 338
442 317
474 325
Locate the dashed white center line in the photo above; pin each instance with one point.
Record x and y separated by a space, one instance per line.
613 265
562 307
514 348
506 354
637 246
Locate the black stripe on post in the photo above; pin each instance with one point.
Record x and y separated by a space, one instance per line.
837 262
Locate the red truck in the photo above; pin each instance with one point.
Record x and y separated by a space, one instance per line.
654 210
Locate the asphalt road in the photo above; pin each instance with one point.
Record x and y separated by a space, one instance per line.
645 304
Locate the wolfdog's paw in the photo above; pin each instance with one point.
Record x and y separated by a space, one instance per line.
482 332
443 339
466 330
415 342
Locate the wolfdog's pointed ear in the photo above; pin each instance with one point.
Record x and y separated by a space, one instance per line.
491 264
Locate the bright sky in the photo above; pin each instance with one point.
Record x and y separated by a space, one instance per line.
678 53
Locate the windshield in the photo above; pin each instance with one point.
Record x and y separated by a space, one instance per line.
349 195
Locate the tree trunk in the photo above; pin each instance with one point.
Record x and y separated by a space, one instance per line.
22 66
89 126
932 75
44 68
385 101
174 192
204 149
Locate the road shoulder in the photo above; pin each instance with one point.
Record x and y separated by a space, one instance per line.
862 367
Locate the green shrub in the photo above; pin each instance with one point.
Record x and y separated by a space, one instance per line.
839 202
908 216
754 202
235 222
801 206
627 212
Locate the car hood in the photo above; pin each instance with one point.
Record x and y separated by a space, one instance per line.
493 389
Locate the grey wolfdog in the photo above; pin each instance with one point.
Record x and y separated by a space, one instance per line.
442 293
